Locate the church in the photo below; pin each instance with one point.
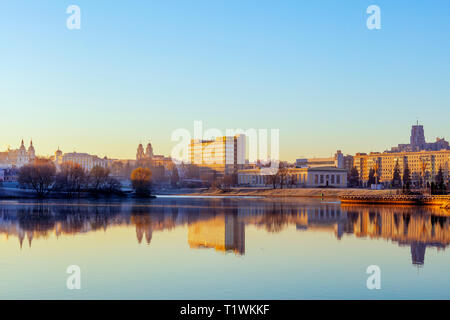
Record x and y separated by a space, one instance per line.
151 159
17 157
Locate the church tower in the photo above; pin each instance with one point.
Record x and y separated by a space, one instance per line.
22 155
140 152
31 152
149 151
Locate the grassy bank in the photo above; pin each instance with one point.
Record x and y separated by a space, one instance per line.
303 192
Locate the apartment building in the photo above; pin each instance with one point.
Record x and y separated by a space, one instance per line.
423 165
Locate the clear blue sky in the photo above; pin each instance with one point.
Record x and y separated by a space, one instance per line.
137 70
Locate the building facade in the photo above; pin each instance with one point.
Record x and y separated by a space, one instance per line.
423 165
314 177
17 157
85 160
224 155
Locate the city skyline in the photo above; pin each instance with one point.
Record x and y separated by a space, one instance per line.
132 153
313 70
218 152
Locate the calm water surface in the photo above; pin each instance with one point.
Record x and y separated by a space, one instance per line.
197 248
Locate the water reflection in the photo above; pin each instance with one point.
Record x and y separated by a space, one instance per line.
220 223
222 232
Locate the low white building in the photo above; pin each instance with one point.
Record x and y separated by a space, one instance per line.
85 160
298 177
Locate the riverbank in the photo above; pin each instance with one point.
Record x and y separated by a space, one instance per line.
27 194
285 193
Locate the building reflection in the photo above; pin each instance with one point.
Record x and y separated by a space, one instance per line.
220 224
223 233
419 228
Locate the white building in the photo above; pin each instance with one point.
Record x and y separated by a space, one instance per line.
297 177
85 160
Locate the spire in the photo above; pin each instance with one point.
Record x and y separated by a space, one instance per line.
22 146
21 237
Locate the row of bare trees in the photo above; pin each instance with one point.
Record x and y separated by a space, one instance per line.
282 178
72 179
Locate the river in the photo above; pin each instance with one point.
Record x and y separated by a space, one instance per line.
222 248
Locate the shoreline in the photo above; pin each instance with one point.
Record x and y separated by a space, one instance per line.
344 195
290 193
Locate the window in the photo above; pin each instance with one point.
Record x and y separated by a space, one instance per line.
338 179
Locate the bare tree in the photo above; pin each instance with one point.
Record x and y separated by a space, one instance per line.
112 185
229 180
273 179
40 175
98 177
292 180
283 174
72 178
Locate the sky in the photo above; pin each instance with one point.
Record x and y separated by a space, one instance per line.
137 71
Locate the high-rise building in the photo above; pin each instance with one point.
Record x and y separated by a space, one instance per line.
418 142
417 139
224 155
